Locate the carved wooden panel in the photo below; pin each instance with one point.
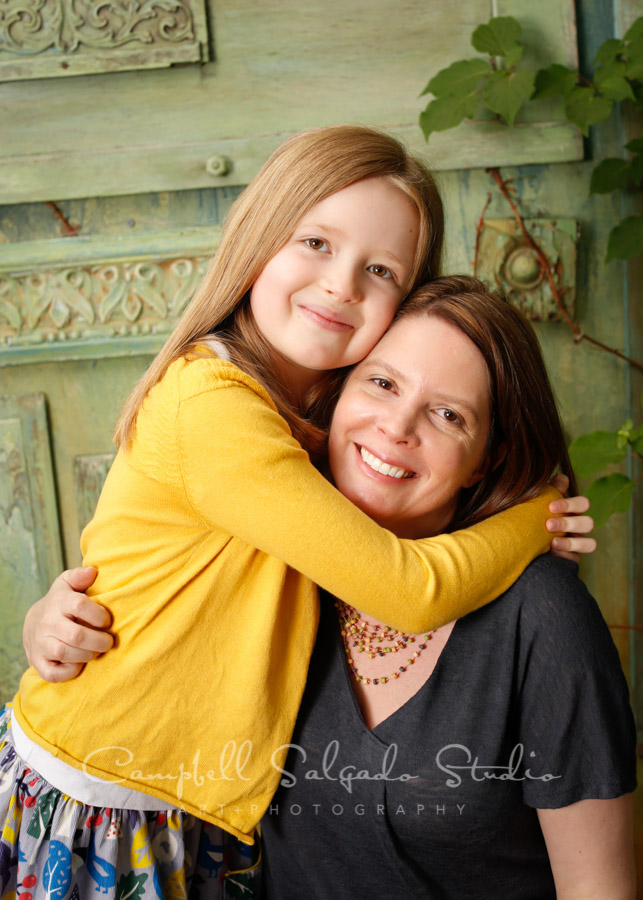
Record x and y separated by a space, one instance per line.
280 67
30 551
102 302
90 473
48 38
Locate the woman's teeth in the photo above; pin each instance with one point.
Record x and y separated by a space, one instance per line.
382 467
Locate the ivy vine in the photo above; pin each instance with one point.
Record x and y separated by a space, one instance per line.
502 86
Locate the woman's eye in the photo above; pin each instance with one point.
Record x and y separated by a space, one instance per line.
448 415
383 383
380 271
316 244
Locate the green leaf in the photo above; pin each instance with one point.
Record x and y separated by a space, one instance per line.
505 92
609 50
555 79
634 53
499 37
617 88
609 69
626 240
611 81
514 56
447 112
635 146
585 108
590 453
610 175
636 169
635 30
609 495
459 79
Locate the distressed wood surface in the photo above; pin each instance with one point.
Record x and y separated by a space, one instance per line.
278 68
95 297
30 548
58 38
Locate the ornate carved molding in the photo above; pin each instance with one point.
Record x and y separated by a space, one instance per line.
82 303
45 38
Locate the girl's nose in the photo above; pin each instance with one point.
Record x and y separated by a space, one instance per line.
343 281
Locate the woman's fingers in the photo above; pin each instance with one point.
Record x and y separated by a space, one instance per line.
573 543
560 482
571 525
569 506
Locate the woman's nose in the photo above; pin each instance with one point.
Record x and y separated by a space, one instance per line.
399 426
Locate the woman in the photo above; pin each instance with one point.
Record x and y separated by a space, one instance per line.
494 757
472 765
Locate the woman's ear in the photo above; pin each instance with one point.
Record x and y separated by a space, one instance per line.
484 466
479 473
501 456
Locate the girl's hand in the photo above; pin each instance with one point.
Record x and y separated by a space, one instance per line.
570 518
61 633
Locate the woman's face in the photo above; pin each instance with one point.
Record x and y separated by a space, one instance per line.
411 426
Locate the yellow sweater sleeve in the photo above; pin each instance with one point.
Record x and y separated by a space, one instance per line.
243 472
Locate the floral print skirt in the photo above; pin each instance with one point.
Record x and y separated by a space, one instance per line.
56 848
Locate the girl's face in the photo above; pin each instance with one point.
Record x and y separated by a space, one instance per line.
410 428
330 293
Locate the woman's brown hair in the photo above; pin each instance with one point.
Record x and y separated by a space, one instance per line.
526 445
306 169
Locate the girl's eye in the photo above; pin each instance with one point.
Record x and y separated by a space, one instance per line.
316 244
449 415
380 271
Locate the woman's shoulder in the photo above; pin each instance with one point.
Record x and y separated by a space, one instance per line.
553 605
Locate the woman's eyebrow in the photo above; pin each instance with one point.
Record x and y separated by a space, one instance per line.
383 365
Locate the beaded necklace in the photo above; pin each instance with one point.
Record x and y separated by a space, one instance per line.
360 636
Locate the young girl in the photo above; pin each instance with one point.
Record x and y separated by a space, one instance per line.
213 528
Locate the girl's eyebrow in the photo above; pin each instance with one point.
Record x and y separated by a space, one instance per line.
333 229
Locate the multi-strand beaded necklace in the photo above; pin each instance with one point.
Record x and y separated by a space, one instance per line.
360 636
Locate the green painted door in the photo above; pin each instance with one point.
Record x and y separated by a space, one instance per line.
117 169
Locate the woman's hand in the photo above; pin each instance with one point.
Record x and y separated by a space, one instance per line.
61 631
569 518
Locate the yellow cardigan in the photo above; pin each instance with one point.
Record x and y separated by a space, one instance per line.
209 538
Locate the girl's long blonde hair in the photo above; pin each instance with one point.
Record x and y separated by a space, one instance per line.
306 169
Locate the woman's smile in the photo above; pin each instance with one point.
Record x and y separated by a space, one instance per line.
411 426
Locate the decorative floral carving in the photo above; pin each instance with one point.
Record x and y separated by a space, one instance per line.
104 32
124 298
33 26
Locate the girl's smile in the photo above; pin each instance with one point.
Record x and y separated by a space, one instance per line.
324 300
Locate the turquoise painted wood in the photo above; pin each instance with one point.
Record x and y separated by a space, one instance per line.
136 188
277 68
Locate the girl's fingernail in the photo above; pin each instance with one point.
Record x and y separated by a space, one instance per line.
553 525
556 506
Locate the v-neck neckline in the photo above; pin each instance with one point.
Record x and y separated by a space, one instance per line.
346 678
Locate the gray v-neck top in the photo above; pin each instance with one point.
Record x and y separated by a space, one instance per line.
526 708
